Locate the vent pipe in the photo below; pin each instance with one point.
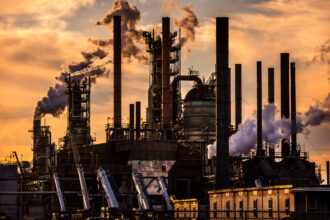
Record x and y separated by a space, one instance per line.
259 109
166 44
138 119
238 94
223 119
285 98
117 70
328 173
293 110
271 96
131 121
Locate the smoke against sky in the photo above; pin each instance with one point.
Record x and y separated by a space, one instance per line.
273 129
188 21
132 38
56 100
37 38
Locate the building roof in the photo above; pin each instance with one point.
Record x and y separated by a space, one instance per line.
325 188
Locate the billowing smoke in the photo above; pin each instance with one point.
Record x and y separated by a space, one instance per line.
274 129
168 5
56 100
323 53
131 36
187 22
54 103
318 114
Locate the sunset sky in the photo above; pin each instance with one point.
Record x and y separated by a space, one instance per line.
38 38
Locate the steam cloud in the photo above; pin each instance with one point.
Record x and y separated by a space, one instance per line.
131 36
273 129
56 100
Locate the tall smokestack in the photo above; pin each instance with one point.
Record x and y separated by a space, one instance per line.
271 92
285 107
117 70
293 109
328 173
259 109
131 121
138 119
223 119
238 94
166 44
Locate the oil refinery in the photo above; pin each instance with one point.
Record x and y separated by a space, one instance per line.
183 161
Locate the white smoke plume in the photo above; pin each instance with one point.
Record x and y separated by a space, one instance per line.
56 100
132 37
273 129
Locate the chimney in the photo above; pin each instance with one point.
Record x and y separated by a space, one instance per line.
138 119
259 109
285 98
293 109
131 121
271 97
328 173
238 94
117 70
166 44
223 122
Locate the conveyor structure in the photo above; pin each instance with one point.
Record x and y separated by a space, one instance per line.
109 192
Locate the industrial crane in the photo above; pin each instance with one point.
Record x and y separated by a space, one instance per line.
80 171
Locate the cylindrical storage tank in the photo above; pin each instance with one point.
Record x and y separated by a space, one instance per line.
199 114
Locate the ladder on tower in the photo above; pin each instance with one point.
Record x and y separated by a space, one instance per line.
80 171
163 186
142 194
109 191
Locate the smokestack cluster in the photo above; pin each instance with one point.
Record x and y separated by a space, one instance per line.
117 71
166 46
223 118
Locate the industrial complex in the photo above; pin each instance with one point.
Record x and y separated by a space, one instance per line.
162 168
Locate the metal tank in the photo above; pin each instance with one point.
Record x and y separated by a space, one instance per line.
199 115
